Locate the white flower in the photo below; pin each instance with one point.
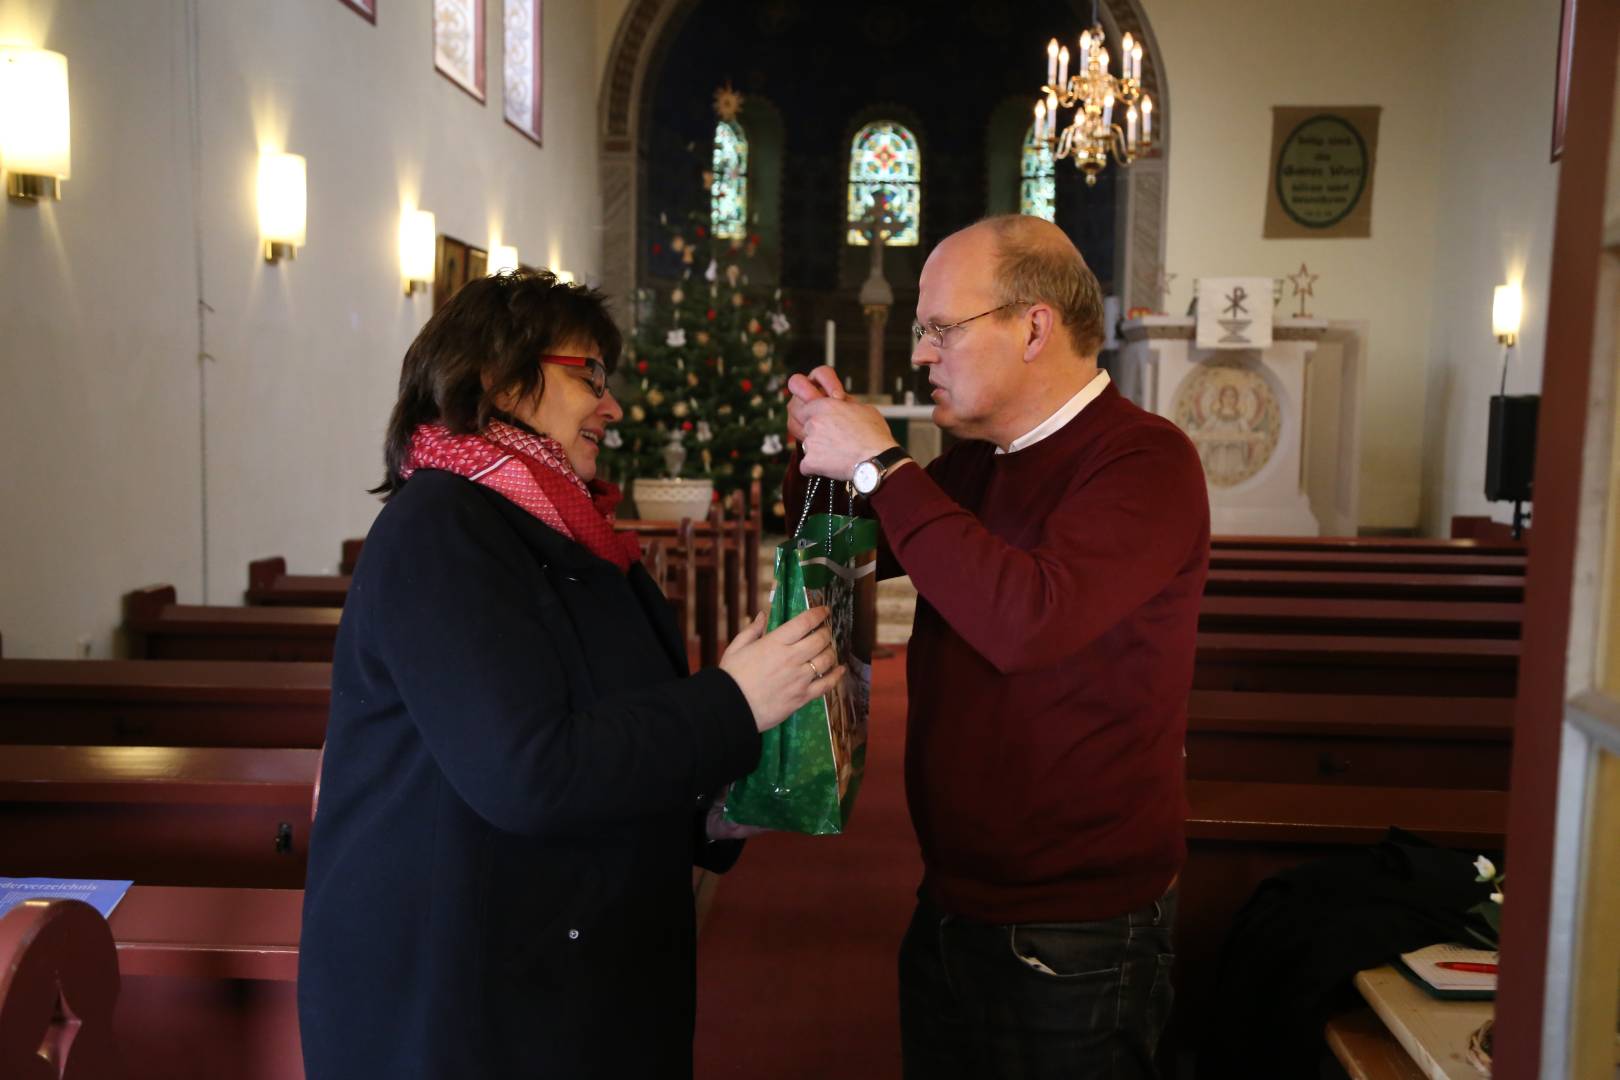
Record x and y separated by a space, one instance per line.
613 440
1485 868
676 338
1496 896
779 324
771 445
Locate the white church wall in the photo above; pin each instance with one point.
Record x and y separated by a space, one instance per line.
1227 65
98 328
1495 225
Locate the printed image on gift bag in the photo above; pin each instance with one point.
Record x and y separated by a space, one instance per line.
810 766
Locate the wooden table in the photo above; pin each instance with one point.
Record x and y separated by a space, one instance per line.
1432 1031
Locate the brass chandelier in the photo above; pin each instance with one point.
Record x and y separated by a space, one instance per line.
1096 96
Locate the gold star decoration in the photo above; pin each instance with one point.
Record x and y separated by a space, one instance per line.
1303 282
727 103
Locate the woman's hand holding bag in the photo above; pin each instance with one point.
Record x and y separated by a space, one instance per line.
782 670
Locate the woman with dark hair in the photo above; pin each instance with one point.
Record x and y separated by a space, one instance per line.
518 767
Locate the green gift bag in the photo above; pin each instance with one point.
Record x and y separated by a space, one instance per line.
810 766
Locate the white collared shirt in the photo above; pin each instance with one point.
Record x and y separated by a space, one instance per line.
1054 423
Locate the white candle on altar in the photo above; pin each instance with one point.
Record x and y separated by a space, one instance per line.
828 357
1147 119
1051 62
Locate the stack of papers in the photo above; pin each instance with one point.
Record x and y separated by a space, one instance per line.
101 895
1452 971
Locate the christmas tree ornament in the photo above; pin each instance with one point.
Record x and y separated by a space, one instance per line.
612 440
676 338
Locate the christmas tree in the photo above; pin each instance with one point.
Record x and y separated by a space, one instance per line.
703 369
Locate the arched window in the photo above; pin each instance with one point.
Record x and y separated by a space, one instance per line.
728 194
1037 194
883 161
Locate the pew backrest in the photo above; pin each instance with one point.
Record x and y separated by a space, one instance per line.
58 988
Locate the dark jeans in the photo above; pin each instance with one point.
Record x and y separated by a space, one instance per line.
1035 1000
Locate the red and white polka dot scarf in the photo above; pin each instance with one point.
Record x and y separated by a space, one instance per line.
532 471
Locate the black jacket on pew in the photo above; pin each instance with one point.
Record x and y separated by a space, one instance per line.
511 804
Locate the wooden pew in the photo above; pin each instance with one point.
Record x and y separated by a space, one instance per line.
1494 588
210 983
161 629
1336 664
1338 615
1240 833
351 556
51 952
164 703
269 584
1405 545
1388 562
1365 739
158 815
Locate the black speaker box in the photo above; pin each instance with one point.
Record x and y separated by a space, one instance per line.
1510 456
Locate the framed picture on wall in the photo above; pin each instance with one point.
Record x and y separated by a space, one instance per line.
457 262
366 8
521 66
458 43
1566 44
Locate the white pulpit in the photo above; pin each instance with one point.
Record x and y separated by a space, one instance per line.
1244 409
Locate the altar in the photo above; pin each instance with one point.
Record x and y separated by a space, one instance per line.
1277 427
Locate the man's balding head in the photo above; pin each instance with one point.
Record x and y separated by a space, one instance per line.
1034 261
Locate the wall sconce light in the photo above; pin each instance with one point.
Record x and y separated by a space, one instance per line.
564 276
282 205
35 136
1507 308
418 248
502 257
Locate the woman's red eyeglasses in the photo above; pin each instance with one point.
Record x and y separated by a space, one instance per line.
593 368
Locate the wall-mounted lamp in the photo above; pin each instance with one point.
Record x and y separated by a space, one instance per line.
502 257
418 248
1507 308
282 205
35 137
564 276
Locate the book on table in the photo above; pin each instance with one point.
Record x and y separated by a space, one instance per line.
1452 971
101 895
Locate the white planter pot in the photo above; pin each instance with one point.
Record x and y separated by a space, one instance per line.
672 500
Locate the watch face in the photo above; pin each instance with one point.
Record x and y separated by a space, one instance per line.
866 478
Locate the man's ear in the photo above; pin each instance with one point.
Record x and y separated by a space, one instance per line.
1042 325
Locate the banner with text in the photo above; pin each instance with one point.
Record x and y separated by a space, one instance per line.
1321 176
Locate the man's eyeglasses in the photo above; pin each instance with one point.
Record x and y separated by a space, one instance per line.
935 333
595 372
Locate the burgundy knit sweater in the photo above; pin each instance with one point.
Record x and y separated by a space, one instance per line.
1050 662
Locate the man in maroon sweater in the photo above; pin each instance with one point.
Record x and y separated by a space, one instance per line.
1059 553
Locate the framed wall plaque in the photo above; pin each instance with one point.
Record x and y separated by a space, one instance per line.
458 43
366 8
1321 177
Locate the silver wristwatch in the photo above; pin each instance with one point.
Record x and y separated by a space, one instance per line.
870 473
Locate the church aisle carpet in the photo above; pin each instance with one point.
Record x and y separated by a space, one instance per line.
796 966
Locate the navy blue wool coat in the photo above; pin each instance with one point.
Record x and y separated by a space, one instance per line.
516 771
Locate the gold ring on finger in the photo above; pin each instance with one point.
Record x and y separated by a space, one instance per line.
813 668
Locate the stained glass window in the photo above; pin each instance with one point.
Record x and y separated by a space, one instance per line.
884 164
728 195
1037 194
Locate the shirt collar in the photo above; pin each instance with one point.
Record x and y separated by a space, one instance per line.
1054 423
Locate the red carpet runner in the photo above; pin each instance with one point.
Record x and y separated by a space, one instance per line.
796 977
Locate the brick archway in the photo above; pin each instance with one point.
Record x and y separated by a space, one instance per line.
622 99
